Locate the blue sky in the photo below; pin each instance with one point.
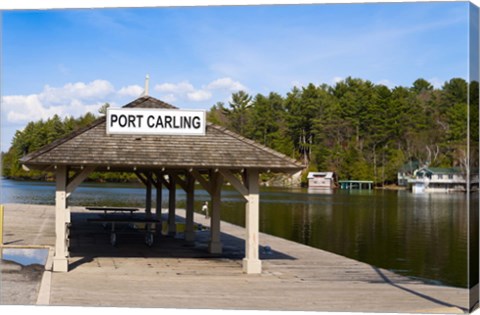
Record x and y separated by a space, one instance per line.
68 62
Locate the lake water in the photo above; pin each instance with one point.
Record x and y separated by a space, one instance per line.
418 235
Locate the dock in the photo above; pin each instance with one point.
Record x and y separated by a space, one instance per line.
356 184
175 274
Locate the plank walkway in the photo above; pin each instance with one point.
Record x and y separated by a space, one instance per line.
173 274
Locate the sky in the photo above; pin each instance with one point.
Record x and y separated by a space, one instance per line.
71 61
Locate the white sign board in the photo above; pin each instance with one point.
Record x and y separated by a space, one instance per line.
148 121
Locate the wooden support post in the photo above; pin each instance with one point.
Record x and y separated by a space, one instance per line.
190 189
216 181
60 259
148 197
172 226
251 262
158 206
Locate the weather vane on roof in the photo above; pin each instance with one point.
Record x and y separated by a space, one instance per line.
147 79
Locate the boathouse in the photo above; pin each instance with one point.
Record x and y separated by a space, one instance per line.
210 156
321 180
436 179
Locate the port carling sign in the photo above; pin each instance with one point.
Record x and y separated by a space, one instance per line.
147 121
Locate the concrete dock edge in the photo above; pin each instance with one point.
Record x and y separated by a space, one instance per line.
46 282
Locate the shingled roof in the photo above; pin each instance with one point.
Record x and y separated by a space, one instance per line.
219 148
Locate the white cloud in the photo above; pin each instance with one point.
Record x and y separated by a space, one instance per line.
199 95
181 91
169 98
131 91
72 99
336 80
75 99
186 91
179 88
296 83
226 84
79 90
436 82
387 83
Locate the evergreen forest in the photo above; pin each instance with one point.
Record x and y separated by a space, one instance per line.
356 128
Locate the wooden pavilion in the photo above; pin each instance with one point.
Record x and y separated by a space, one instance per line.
163 161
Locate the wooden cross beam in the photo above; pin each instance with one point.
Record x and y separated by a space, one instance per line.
203 182
141 177
160 177
78 178
236 183
181 182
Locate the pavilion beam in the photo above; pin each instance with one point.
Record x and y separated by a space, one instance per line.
216 181
161 178
190 190
147 180
158 206
236 183
249 189
251 262
179 181
148 194
172 226
203 182
78 179
189 186
60 259
141 177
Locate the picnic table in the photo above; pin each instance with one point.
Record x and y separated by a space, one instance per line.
117 216
113 209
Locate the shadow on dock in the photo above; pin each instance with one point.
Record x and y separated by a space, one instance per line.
91 240
387 280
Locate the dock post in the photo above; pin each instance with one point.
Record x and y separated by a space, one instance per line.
189 230
215 246
251 262
60 259
158 206
172 226
148 196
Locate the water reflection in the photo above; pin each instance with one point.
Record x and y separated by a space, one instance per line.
24 256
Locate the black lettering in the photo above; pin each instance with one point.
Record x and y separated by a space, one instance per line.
113 119
131 121
196 122
187 122
150 123
159 122
168 121
139 120
122 120
175 122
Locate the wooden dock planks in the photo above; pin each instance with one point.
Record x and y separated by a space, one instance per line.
172 275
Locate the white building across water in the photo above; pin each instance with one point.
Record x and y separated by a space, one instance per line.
321 180
435 179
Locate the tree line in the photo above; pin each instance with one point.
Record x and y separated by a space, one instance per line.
359 129
42 132
356 128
